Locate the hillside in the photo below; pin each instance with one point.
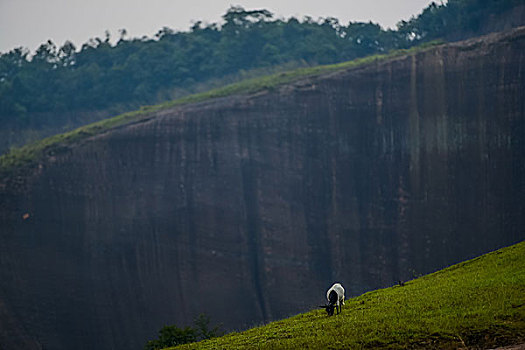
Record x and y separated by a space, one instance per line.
477 304
363 173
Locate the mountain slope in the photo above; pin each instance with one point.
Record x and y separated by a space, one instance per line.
479 303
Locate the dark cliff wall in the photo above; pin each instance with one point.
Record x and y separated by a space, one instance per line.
249 207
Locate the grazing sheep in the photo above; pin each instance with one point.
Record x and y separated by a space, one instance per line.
336 298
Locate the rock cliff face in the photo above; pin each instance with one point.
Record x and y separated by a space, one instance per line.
247 208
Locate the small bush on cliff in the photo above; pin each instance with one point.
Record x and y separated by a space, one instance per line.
202 327
173 335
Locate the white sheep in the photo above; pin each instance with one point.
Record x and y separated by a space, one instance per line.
336 298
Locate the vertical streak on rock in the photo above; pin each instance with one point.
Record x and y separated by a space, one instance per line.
483 147
316 191
379 104
249 176
413 142
518 141
334 228
442 127
413 152
162 253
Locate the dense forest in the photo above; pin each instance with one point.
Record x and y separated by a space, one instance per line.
37 88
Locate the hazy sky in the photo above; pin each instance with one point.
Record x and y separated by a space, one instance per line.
29 23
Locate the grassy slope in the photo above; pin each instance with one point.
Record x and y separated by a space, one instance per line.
30 155
479 303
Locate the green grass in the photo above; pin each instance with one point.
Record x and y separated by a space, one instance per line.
29 155
479 303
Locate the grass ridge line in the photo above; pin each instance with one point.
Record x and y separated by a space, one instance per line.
29 155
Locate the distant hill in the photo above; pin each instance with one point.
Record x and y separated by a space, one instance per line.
477 304
60 88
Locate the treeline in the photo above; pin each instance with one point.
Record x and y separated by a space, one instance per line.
149 70
133 72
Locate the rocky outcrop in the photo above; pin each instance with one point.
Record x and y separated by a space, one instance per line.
247 208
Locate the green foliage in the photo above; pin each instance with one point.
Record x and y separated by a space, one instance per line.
454 20
173 335
479 303
203 330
